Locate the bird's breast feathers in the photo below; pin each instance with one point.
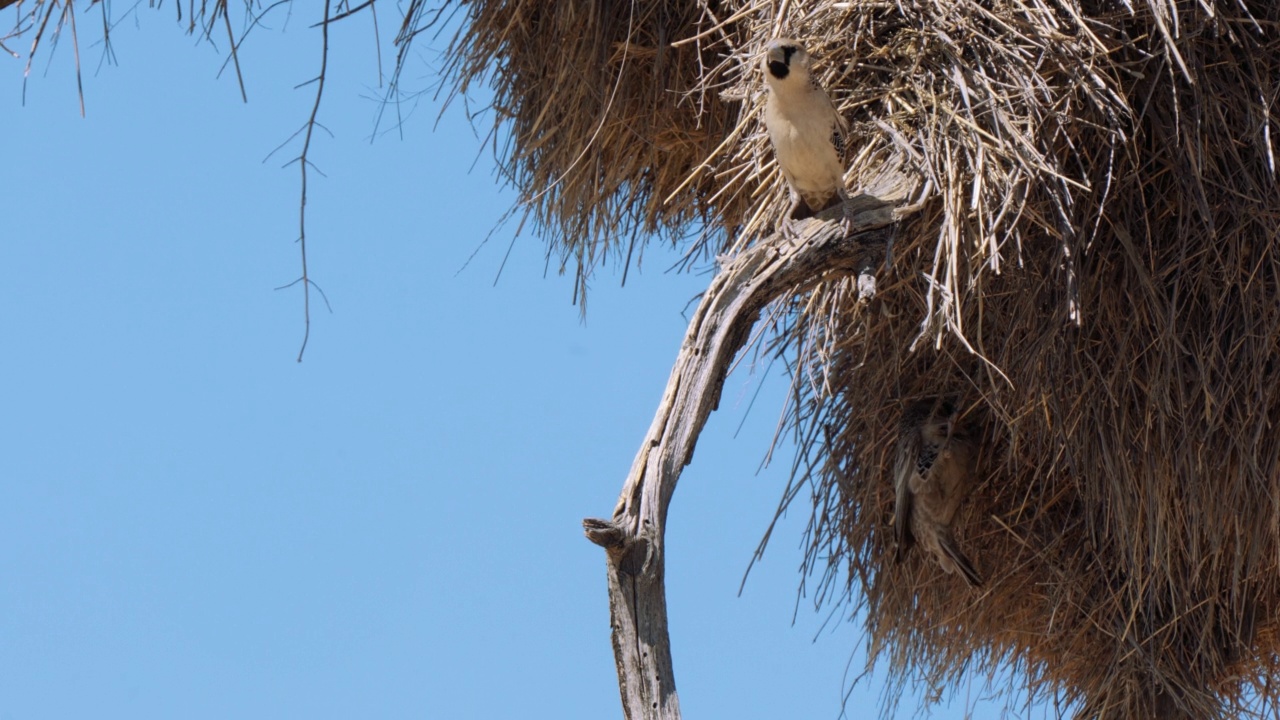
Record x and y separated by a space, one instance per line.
804 147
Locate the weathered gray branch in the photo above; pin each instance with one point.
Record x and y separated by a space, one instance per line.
778 267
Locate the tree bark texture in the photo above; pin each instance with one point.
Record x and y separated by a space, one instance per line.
783 265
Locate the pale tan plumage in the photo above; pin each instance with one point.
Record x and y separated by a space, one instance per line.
807 132
933 474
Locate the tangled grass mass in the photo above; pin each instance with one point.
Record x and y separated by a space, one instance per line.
1092 267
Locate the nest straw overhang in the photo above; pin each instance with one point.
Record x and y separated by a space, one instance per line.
1095 271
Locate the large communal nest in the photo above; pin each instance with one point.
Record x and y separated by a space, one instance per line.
1093 270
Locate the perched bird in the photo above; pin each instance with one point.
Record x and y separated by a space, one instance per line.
807 133
932 474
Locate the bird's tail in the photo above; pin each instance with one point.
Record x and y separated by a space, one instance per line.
958 561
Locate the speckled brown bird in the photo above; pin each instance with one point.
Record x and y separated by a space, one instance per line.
933 473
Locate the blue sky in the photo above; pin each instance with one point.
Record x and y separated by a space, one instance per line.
194 525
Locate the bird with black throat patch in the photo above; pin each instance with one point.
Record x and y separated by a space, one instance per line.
933 473
807 132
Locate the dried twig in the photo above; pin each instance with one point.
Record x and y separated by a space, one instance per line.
776 269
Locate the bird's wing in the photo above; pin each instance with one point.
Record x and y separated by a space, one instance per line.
902 470
839 128
947 544
840 135
926 458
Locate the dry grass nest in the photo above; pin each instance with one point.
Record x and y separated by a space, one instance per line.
1094 271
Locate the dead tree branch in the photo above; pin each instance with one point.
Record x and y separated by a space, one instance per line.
776 268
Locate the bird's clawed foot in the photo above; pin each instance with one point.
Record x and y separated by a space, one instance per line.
790 229
790 225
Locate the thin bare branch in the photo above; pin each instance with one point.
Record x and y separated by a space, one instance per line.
780 267
305 163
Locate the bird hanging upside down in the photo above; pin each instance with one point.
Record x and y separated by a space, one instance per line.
932 474
807 133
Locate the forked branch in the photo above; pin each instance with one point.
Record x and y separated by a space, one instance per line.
778 267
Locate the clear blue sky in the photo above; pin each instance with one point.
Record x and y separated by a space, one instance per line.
193 525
